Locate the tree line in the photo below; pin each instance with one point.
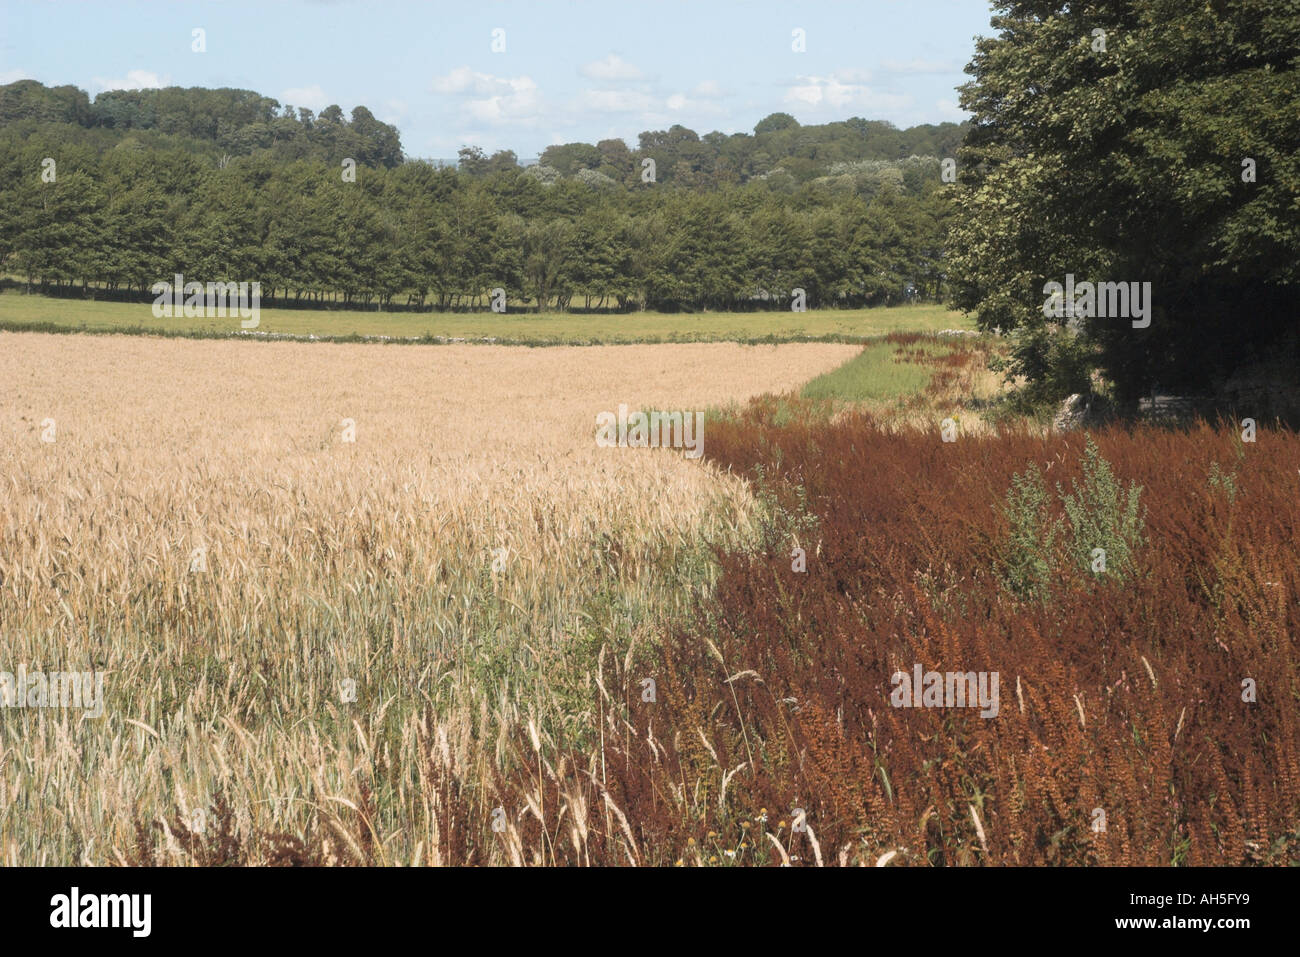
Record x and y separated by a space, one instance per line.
113 221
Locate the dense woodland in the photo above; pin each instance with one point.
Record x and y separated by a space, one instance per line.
229 185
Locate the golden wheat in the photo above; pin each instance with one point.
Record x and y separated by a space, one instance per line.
201 532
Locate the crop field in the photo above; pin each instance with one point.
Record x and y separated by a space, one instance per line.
326 586
361 604
19 311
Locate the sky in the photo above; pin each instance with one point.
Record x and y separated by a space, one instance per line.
520 74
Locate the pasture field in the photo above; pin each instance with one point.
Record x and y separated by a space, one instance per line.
20 311
336 641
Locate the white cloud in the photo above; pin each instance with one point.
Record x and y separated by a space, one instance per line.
616 101
852 75
834 93
312 97
134 80
612 67
522 103
520 106
464 80
708 90
493 99
13 76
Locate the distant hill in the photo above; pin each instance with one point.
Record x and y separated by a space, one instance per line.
229 122
779 144
216 122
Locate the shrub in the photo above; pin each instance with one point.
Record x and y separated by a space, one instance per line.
1223 482
1028 555
1103 528
1101 517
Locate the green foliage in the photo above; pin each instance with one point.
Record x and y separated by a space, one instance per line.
568 158
1123 161
1040 546
874 374
1225 483
774 122
422 237
52 314
1030 548
783 518
242 122
227 185
216 122
1055 362
1102 515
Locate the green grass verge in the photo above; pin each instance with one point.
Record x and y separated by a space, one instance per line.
876 374
20 312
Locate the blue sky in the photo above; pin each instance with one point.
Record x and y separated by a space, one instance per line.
571 70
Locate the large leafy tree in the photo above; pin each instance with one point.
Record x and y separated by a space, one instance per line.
1115 140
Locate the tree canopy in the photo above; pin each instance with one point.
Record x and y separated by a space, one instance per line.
1135 141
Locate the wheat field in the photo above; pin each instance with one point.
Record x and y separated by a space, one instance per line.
307 571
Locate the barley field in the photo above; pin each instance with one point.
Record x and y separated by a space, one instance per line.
329 587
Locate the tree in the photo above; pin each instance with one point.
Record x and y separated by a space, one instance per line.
774 122
568 158
617 161
1109 142
472 161
380 145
